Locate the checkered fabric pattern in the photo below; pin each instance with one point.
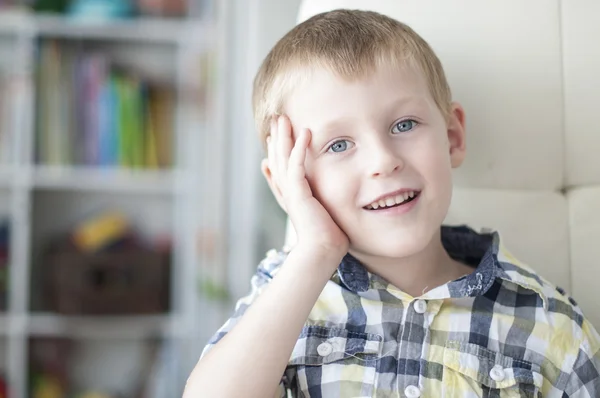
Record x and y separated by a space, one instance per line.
502 331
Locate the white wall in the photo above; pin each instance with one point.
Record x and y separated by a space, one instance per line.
256 222
275 19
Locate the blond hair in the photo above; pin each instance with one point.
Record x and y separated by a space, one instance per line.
350 44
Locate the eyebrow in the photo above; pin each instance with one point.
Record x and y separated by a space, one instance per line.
403 101
334 125
393 106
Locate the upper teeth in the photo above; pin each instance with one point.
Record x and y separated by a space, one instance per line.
392 200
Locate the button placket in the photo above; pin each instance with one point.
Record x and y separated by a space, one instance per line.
420 306
325 349
497 373
415 328
412 392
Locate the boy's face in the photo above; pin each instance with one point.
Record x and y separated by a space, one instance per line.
374 137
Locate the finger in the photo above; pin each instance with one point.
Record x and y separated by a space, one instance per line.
285 142
298 155
272 161
277 158
271 152
297 169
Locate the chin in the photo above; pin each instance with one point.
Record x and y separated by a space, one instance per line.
393 246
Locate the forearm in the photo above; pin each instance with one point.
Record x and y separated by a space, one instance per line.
250 360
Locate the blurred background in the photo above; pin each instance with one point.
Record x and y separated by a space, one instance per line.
132 209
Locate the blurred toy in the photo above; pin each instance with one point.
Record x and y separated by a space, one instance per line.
47 387
3 388
129 279
48 367
163 8
101 231
58 6
100 10
94 394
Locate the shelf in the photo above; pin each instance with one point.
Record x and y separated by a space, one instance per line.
13 22
101 327
103 179
11 324
154 30
167 206
6 176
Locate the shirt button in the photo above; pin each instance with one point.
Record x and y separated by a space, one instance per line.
412 392
324 349
420 306
497 373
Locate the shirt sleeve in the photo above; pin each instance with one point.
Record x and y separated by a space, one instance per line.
265 272
584 380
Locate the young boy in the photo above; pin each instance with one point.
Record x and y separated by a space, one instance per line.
377 298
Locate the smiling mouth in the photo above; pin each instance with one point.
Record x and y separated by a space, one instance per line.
395 201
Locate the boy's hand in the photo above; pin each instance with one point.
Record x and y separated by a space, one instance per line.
315 229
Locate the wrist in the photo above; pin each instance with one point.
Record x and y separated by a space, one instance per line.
319 256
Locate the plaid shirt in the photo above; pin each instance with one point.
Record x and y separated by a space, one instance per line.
502 331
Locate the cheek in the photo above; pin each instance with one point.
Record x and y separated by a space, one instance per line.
437 170
331 188
431 160
320 184
435 155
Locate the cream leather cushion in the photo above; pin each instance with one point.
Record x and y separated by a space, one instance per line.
527 75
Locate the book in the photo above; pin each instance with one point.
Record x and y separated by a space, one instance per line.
93 113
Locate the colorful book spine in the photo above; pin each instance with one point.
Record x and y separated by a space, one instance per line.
91 114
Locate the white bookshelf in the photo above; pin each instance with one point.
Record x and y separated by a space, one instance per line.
40 200
153 30
6 177
108 327
102 179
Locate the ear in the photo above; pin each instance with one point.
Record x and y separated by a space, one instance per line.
456 134
264 166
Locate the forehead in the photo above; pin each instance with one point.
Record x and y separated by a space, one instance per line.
322 95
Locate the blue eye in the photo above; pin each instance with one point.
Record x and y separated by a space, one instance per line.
404 126
340 146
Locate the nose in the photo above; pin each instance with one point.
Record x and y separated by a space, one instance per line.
384 159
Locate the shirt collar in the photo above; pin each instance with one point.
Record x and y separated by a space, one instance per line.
483 251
